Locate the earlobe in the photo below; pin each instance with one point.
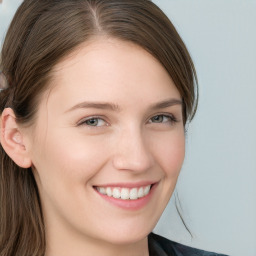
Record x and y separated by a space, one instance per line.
12 139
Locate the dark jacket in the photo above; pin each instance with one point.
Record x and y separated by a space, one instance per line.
160 246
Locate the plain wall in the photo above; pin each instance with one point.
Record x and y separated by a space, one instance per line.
217 185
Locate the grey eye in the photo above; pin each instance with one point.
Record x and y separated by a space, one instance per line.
92 121
157 119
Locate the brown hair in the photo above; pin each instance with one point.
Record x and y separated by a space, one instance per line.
40 35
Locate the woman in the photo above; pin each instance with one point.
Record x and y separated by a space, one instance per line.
92 128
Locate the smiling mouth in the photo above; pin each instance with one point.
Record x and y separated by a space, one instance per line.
125 193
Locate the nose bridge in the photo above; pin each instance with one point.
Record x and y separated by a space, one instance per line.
132 152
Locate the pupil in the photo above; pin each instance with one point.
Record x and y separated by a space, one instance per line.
92 122
158 118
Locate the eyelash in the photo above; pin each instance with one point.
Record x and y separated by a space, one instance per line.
172 120
84 121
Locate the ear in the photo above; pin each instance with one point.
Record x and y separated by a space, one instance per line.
12 139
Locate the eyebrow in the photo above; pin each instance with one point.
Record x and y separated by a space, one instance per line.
111 106
166 103
97 105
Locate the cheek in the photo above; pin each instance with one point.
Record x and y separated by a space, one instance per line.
68 158
170 154
65 169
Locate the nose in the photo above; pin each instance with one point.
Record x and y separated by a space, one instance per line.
132 152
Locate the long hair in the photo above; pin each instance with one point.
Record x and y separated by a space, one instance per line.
41 34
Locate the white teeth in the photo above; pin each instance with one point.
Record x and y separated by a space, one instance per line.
109 191
146 190
141 192
134 193
116 193
125 193
102 190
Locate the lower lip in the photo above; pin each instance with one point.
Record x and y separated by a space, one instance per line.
130 204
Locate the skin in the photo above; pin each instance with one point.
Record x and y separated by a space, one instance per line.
130 143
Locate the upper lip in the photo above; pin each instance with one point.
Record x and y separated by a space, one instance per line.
127 184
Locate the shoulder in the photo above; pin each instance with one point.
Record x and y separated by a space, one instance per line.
160 246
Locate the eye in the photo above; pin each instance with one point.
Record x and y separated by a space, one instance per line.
163 119
93 121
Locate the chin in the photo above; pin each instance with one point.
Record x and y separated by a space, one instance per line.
129 233
127 238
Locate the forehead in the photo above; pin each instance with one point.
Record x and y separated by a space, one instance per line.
111 69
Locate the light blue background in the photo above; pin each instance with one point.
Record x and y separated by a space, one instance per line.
217 186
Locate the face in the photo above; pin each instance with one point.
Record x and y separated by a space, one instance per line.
108 144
